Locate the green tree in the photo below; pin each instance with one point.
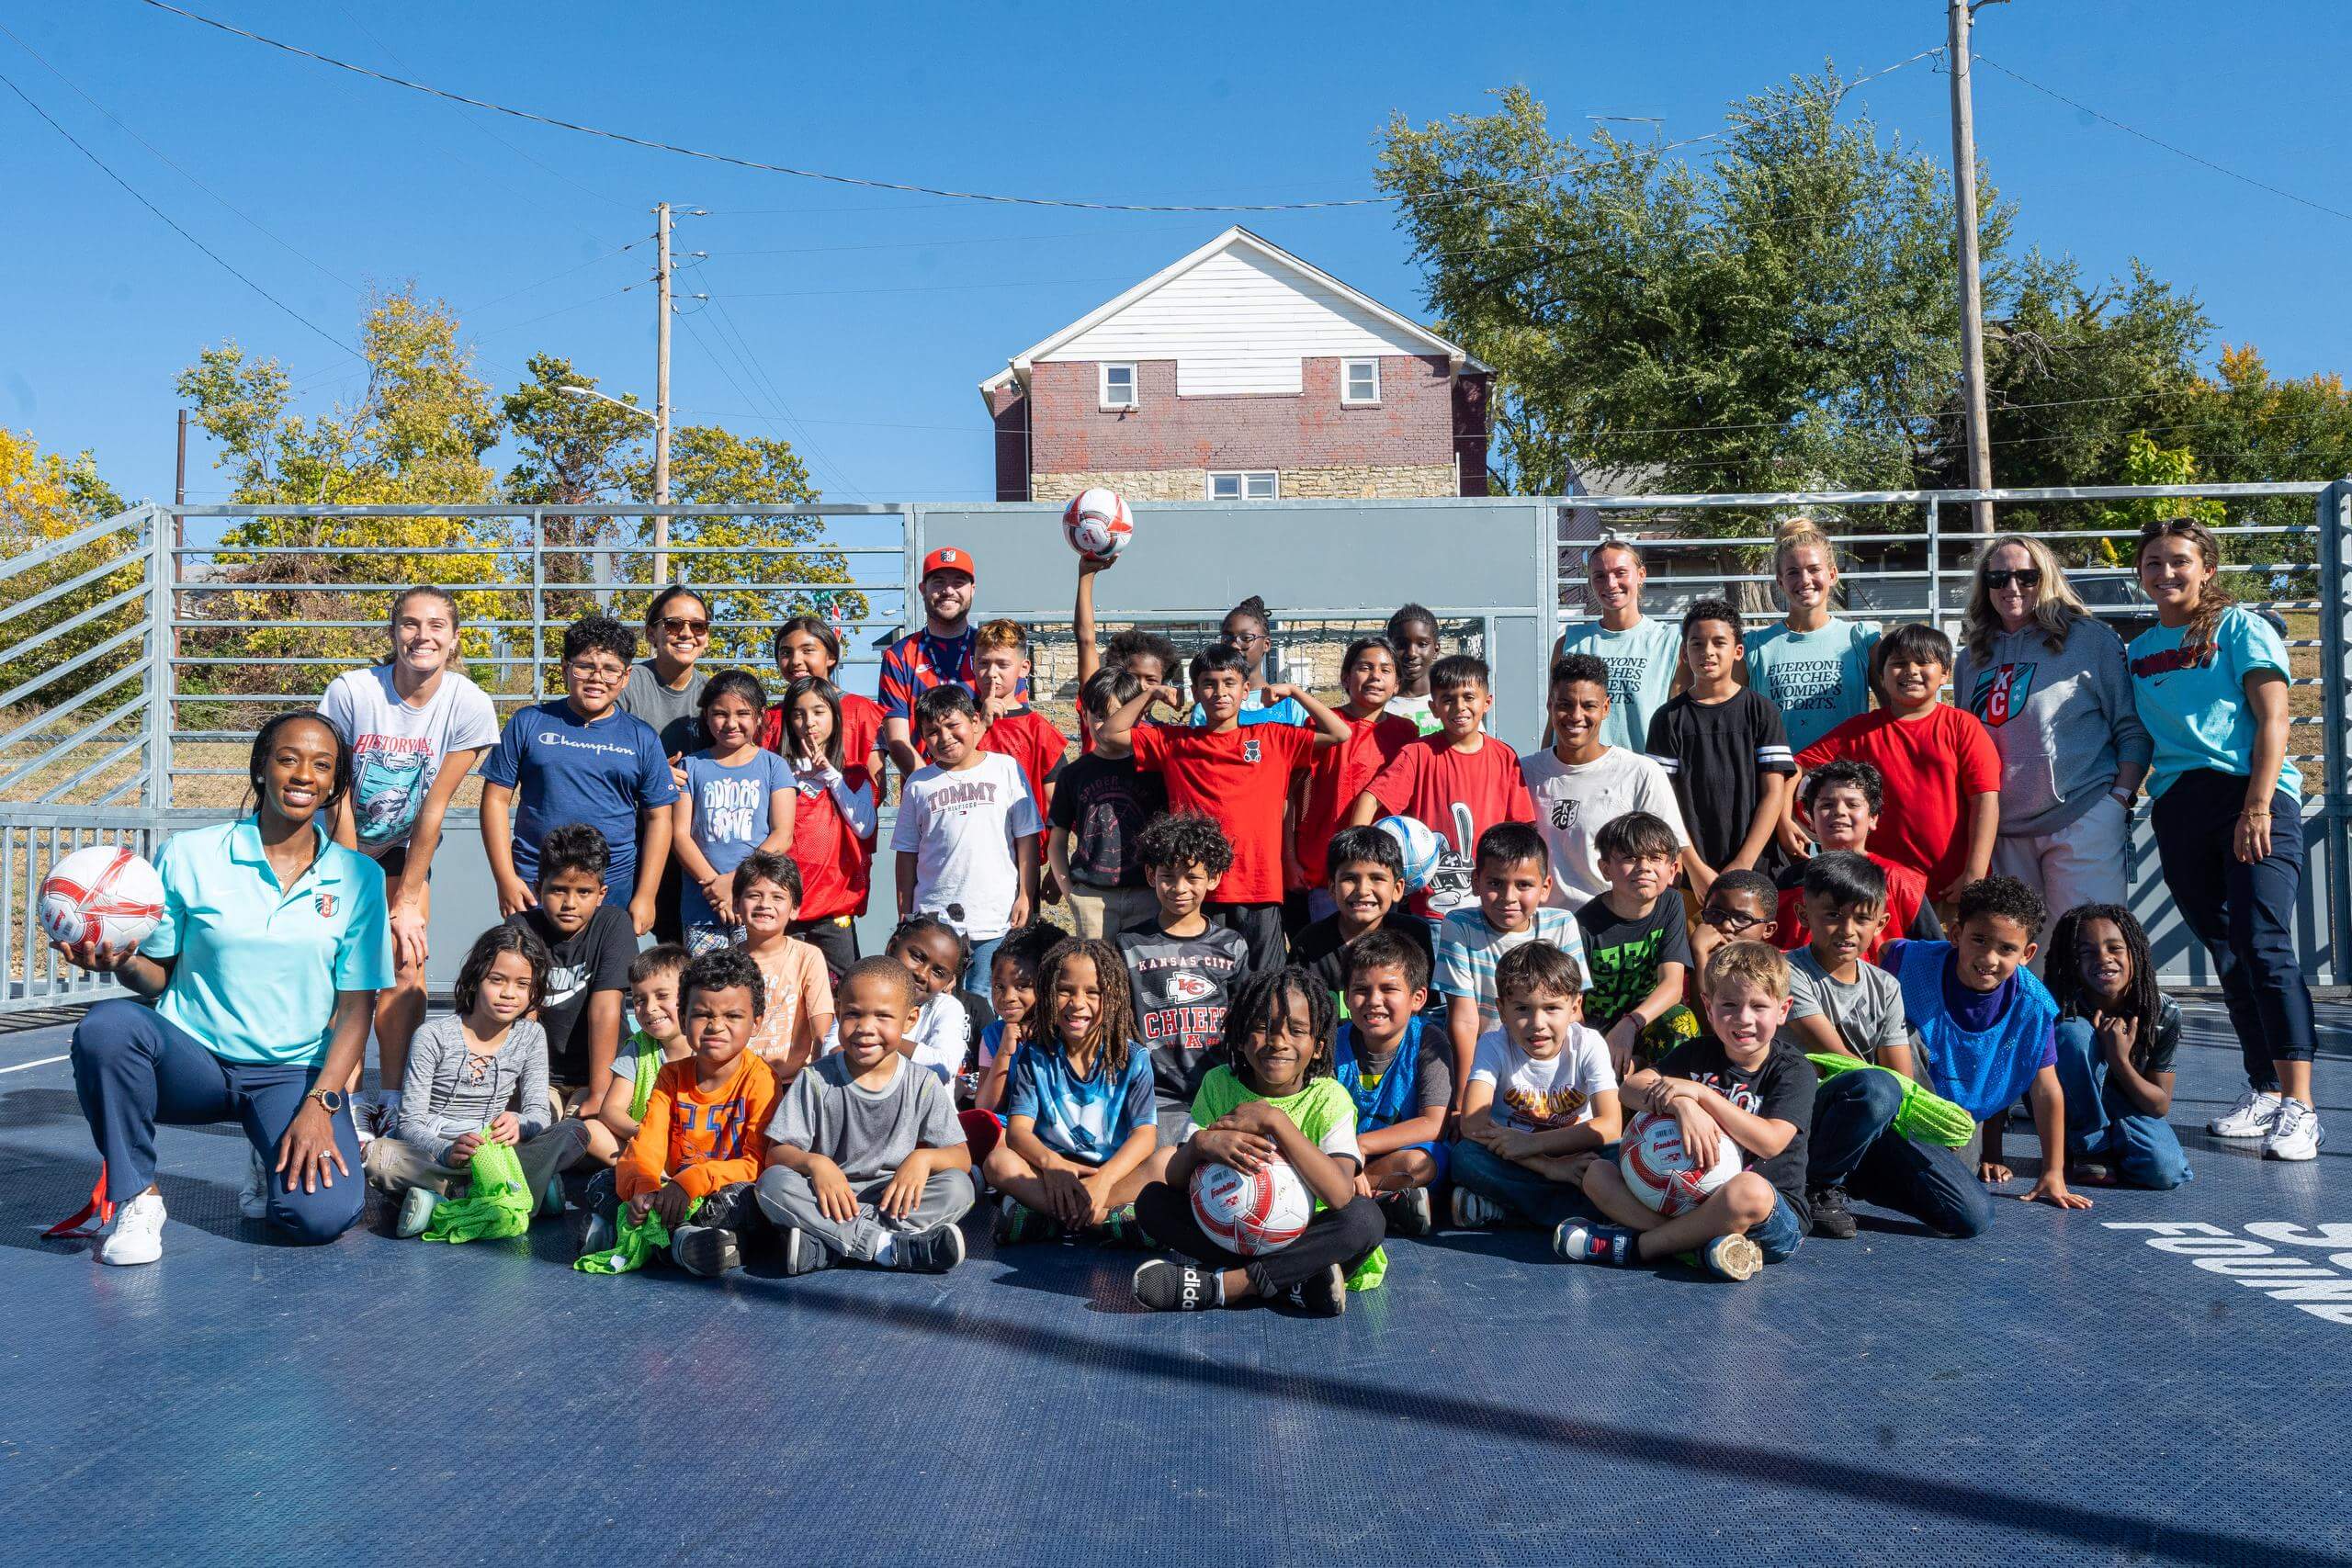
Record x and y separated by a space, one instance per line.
1781 316
46 496
573 451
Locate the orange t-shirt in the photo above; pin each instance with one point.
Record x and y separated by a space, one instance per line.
703 1142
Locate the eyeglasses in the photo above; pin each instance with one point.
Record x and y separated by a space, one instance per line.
1730 921
680 624
2024 577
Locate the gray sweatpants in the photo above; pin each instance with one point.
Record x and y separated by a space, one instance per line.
395 1166
789 1201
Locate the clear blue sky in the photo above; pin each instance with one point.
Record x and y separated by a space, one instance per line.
870 316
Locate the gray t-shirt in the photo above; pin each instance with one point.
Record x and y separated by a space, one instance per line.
676 717
1867 1014
868 1133
2063 721
447 1091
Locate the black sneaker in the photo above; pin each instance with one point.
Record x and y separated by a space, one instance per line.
1577 1242
1322 1294
804 1254
707 1250
1408 1211
933 1251
1832 1220
1174 1287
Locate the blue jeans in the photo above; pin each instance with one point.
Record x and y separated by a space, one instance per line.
1855 1146
133 1069
976 972
1535 1199
1779 1234
2101 1123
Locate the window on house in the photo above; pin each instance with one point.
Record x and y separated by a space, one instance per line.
1242 487
1118 385
1360 380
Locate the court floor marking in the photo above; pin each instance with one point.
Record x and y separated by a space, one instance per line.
21 1066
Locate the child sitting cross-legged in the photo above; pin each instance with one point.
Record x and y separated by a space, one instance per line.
1012 994
699 1149
2117 1036
660 1039
1398 1072
1541 1098
477 1075
1079 1141
865 1163
1277 1102
1744 1084
1636 943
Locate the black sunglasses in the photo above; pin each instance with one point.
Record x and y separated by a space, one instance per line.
2024 576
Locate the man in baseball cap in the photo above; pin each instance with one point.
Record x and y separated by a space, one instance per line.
944 651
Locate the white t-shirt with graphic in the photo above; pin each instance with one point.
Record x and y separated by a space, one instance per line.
1575 801
397 750
961 826
1537 1094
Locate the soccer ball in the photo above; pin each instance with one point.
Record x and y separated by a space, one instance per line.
1097 524
1251 1212
104 894
1662 1173
1419 844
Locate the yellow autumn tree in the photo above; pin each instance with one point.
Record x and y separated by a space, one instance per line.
69 648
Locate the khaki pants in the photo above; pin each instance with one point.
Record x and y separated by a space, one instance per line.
1104 912
395 1166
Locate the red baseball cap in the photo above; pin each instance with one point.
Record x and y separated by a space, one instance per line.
947 558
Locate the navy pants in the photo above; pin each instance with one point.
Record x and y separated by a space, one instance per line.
1855 1145
2101 1125
2244 914
135 1071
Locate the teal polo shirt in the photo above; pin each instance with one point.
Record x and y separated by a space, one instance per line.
259 965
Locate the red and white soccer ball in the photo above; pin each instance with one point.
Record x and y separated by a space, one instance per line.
1098 524
1251 1212
1662 1173
104 894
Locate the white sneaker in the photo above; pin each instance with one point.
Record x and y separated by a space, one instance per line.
138 1235
1473 1213
253 1199
2296 1134
2251 1117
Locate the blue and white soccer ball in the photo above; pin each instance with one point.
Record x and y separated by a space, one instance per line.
1419 844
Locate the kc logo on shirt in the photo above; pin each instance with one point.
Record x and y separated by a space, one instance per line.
325 904
2000 692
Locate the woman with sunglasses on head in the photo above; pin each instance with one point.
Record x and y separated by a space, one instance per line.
255 994
2050 686
665 691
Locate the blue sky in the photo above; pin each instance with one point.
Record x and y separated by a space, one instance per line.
857 322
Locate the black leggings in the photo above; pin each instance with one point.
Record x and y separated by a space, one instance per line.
2244 914
1344 1236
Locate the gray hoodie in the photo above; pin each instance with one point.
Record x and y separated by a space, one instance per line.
2064 722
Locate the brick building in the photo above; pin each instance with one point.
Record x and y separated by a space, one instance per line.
1240 373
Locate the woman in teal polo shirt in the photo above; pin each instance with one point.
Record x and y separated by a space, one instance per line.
261 981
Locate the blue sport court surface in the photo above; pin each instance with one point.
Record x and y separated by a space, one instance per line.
2070 1388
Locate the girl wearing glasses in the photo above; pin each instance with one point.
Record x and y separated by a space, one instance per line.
2050 686
665 691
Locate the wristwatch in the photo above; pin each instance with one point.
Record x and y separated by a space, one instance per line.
330 1099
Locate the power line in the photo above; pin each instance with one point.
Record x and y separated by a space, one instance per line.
909 187
2159 142
170 224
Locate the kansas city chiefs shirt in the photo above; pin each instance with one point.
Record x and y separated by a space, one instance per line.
1182 984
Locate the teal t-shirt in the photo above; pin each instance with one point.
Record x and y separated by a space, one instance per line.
2195 709
1642 661
1817 679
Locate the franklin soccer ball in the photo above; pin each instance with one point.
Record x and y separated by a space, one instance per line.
1251 1212
104 894
1420 846
1097 524
1662 1173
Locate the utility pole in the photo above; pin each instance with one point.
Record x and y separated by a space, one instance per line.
1971 293
662 393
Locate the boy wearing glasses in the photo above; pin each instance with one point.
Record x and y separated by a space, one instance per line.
581 760
1740 905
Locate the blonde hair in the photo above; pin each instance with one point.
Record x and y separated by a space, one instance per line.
1795 534
1759 963
2213 599
2055 611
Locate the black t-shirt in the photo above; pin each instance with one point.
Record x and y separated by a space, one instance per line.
1182 984
1624 954
1105 803
1779 1090
1716 755
1318 948
594 958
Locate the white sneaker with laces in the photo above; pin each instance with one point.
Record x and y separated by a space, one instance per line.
138 1233
2251 1117
1473 1213
253 1199
2296 1134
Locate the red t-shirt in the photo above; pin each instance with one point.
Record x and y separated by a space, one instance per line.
1242 777
1459 794
1933 767
1030 739
1338 776
1907 890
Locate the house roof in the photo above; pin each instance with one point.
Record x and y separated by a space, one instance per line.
1234 238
